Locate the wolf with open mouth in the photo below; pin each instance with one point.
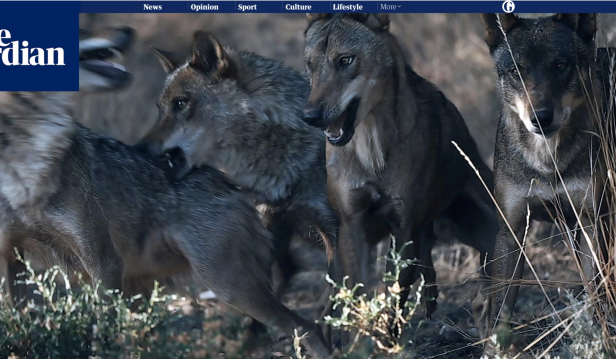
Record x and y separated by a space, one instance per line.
390 135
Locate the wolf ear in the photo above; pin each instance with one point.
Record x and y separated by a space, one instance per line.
209 56
313 17
585 25
376 22
494 34
168 60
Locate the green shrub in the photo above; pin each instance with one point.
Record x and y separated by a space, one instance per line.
93 322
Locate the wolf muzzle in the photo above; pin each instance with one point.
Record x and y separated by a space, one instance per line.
543 118
339 130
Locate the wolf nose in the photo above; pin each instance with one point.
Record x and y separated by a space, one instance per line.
312 117
543 118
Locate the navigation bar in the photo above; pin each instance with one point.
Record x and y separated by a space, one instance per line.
344 6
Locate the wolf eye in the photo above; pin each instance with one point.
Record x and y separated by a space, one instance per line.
346 61
514 71
179 104
561 65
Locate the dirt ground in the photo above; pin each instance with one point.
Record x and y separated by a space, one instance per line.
447 49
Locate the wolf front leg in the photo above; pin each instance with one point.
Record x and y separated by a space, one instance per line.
321 216
352 245
417 247
282 230
349 260
427 239
96 249
508 265
590 241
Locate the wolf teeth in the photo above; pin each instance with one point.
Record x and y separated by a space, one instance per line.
330 135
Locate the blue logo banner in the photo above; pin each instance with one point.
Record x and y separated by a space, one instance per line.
39 49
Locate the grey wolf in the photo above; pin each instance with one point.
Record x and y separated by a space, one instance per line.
242 114
99 70
391 164
547 155
105 208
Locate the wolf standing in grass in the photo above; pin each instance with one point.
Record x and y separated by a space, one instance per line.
391 164
548 153
241 113
107 209
99 71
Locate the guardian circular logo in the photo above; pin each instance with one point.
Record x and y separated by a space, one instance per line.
508 6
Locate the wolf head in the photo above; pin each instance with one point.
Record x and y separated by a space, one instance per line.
218 102
98 53
346 58
544 66
199 92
